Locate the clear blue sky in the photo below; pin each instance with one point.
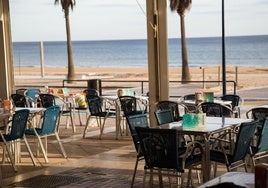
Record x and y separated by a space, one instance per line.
41 20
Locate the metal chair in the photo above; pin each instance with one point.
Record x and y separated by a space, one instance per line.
19 100
139 120
236 156
163 155
235 103
96 108
90 93
173 106
66 109
48 128
189 97
260 151
216 109
129 107
258 113
18 126
164 116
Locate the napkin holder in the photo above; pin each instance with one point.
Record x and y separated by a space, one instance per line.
193 121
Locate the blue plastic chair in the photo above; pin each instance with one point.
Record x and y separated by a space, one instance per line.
260 151
164 116
18 126
32 96
48 128
237 158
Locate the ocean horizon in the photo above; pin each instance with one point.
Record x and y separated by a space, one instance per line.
248 51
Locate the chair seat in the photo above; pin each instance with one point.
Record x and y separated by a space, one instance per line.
31 131
104 114
219 157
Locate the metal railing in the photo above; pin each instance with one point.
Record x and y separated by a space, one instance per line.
140 84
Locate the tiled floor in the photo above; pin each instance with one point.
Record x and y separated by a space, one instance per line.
91 162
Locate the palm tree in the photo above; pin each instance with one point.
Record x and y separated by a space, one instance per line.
181 6
66 5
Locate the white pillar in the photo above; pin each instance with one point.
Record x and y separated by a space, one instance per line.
157 53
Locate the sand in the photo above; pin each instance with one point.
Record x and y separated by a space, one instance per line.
246 77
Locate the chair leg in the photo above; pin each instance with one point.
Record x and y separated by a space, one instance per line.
134 173
42 148
61 146
85 130
102 126
30 151
11 157
72 122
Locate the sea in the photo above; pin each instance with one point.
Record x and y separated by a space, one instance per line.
246 51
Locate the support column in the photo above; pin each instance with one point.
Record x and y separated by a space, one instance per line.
157 53
6 60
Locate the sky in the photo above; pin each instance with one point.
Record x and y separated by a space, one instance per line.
42 20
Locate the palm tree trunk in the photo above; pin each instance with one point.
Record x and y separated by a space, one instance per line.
71 72
185 77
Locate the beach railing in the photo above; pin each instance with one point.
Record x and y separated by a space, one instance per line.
103 86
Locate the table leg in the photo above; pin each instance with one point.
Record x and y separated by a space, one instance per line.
206 161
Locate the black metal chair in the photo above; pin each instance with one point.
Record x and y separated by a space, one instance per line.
139 120
129 107
162 154
173 106
19 100
216 109
189 97
234 157
90 93
96 108
164 116
235 103
260 151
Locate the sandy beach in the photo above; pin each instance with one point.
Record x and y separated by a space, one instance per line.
246 77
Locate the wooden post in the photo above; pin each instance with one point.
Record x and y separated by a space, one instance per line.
236 75
219 75
42 59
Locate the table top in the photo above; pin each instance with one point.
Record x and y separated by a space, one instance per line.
213 124
238 178
215 101
32 110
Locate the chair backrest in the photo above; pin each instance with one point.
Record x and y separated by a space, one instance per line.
128 105
243 140
262 144
21 91
50 119
164 116
19 122
173 106
138 120
19 100
234 98
91 93
189 97
259 113
32 93
94 105
159 146
216 109
47 100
